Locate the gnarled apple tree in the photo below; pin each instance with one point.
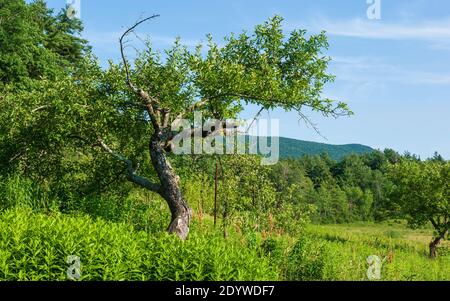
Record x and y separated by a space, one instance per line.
265 68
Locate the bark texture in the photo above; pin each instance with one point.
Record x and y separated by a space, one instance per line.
433 247
434 244
170 190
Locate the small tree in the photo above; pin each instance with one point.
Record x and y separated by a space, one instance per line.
422 190
263 69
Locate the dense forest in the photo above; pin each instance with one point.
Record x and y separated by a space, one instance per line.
293 148
87 165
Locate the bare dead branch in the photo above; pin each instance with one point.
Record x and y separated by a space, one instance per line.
196 105
139 38
122 51
309 123
166 118
221 128
147 100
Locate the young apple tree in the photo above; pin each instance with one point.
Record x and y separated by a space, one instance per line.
423 191
265 68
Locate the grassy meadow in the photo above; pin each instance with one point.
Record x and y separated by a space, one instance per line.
404 251
34 245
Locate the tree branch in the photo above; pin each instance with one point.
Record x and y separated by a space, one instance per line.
122 50
332 112
188 110
166 117
223 128
147 100
254 119
308 122
131 172
434 223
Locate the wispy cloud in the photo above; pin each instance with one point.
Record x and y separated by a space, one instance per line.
436 33
376 71
362 70
438 30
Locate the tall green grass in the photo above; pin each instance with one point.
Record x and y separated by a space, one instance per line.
346 255
140 209
16 191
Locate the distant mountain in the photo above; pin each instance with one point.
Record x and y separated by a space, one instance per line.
292 148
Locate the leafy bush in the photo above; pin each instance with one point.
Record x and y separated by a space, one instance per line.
393 234
270 246
34 246
307 260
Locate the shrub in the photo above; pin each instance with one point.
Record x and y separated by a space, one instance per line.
142 211
393 234
270 246
443 251
307 260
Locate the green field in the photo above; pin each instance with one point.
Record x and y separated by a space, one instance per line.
403 250
34 246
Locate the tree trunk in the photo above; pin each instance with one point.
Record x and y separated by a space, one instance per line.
433 246
170 190
215 194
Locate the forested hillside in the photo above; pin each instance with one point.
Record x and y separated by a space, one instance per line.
293 148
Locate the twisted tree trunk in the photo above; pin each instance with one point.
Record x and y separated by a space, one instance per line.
434 244
170 190
441 228
433 247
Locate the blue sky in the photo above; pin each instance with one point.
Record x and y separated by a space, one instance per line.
393 72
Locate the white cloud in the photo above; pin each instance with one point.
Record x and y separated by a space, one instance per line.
361 28
363 70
